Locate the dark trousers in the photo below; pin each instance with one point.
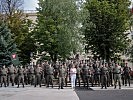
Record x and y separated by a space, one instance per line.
127 79
77 80
31 79
104 81
86 80
97 79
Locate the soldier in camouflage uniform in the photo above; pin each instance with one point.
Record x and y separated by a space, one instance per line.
97 74
61 75
25 75
110 69
117 75
50 75
20 76
31 75
103 72
3 74
86 75
11 76
78 75
45 66
126 72
38 71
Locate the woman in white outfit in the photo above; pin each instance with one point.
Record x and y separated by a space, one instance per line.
73 76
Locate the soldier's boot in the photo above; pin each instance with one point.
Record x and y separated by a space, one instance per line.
40 85
101 86
23 85
1 85
4 84
18 86
59 87
105 86
7 84
12 84
115 86
119 85
62 86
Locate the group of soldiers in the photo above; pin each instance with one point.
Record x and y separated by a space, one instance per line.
88 72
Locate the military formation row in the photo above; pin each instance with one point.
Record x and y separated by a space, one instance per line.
94 73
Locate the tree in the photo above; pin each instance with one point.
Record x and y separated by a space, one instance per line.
19 25
105 27
7 46
57 27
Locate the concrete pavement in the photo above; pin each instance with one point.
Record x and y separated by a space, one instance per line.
43 93
112 88
31 93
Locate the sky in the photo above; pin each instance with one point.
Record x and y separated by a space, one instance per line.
30 4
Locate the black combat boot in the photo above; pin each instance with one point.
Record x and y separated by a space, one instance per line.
23 85
18 86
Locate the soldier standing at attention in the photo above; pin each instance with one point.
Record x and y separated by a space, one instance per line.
50 75
117 75
38 71
31 75
126 73
11 76
3 74
103 76
86 76
78 75
61 74
21 76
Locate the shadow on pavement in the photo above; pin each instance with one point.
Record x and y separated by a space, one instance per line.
83 89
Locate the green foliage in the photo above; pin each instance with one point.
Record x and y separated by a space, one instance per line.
7 46
105 27
57 27
20 27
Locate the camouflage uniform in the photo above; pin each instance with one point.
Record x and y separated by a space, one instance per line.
86 75
78 75
3 74
11 76
103 77
31 75
20 76
62 73
38 72
117 75
50 73
126 72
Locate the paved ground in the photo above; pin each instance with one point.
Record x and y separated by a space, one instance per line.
96 93
31 93
43 93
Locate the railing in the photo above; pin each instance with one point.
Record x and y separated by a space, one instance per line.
30 11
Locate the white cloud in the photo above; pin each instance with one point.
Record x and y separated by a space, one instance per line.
30 4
